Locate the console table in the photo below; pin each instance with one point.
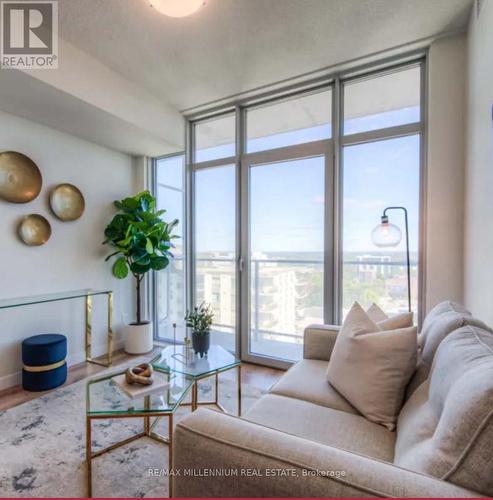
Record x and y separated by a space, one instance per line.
76 294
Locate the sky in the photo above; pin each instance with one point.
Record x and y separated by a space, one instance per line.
287 199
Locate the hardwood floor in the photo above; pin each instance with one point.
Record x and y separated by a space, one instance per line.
259 376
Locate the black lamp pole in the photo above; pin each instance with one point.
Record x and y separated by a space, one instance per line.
385 219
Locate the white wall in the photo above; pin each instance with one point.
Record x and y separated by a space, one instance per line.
478 250
156 127
445 171
74 257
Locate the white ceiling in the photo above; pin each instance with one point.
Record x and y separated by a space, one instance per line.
126 71
40 102
232 46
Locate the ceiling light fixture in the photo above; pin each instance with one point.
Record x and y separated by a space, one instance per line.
177 8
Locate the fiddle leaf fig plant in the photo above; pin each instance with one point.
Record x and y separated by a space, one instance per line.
142 240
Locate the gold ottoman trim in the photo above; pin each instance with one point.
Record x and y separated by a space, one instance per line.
44 368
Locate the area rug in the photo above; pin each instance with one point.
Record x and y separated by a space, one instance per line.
42 446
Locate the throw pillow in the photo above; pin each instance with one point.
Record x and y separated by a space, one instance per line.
376 314
371 367
404 320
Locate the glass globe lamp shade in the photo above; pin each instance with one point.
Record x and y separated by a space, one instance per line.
386 235
177 8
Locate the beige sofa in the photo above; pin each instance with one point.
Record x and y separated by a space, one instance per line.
305 439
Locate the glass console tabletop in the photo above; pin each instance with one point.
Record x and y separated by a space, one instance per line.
50 297
172 359
105 398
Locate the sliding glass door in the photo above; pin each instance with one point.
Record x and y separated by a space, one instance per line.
285 250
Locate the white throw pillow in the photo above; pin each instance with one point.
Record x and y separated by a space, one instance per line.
376 314
371 367
381 319
404 320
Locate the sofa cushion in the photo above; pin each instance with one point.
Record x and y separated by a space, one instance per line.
319 340
371 368
446 427
443 307
306 380
324 425
434 331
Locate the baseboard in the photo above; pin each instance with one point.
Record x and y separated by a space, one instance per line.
13 379
10 380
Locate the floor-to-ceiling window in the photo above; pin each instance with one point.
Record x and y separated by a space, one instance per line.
214 224
284 193
381 159
170 284
215 248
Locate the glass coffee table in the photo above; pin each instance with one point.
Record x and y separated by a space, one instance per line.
173 359
104 400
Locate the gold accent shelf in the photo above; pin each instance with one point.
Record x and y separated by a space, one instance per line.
87 295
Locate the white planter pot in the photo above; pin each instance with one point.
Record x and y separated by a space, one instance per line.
138 338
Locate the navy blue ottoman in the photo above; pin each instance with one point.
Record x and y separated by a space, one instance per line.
43 357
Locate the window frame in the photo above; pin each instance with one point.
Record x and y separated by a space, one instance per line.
282 99
338 141
416 128
153 277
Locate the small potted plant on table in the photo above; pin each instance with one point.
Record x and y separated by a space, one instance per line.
200 321
142 241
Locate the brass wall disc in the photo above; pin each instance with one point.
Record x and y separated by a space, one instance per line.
20 178
67 202
34 230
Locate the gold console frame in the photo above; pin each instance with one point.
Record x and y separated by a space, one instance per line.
89 308
86 294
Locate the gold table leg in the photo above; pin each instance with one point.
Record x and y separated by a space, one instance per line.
195 395
239 390
147 420
88 327
170 456
110 328
89 457
216 390
88 331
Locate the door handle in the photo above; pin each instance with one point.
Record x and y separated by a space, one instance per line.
241 264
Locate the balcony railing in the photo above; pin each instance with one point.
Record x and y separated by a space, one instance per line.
264 288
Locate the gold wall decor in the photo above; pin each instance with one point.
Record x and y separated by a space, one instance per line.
67 202
20 178
34 230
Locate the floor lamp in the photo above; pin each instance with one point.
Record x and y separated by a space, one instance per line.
389 235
